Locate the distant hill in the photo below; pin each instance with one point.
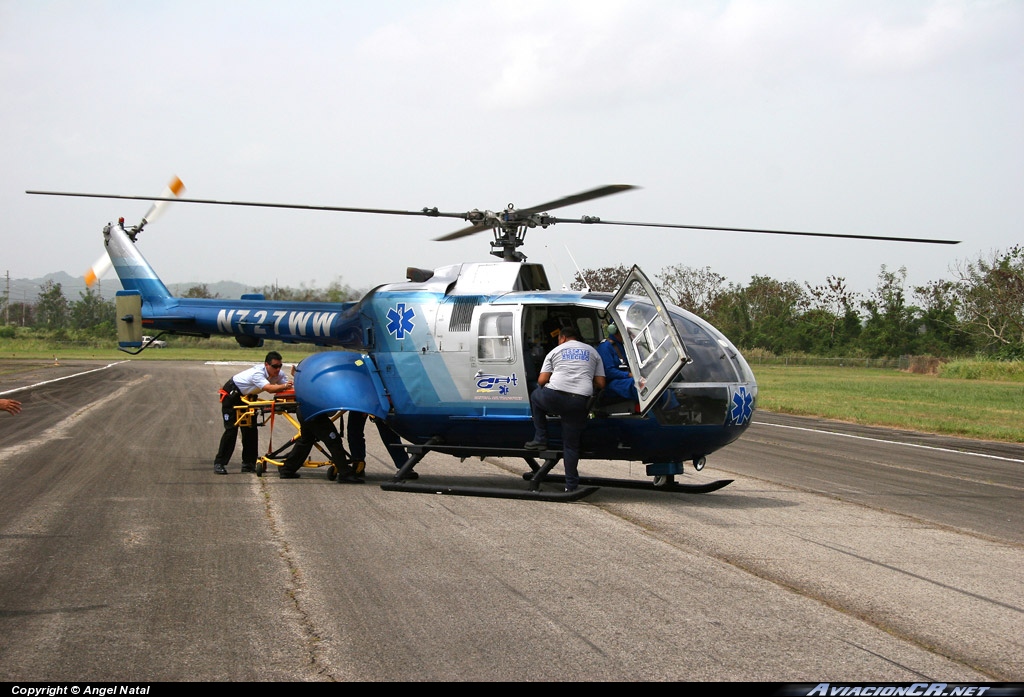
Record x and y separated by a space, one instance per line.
221 289
27 289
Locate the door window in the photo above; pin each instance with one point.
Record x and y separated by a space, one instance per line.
654 351
494 340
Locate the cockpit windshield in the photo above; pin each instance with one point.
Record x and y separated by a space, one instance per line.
715 359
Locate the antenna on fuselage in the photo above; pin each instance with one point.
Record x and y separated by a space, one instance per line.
579 271
557 270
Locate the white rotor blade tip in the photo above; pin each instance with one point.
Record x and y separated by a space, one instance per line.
101 266
173 190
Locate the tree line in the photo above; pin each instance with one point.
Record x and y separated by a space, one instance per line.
979 312
91 317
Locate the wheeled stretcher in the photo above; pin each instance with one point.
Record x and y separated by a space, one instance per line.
280 412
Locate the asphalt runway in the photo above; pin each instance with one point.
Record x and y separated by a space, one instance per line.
839 553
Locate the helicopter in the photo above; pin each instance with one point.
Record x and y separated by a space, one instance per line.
448 357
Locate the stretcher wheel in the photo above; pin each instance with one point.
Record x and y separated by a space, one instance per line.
260 469
332 473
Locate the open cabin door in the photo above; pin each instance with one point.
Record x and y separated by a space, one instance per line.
654 351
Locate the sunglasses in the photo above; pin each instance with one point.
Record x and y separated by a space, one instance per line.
275 365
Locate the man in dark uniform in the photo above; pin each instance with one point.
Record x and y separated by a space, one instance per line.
319 428
357 443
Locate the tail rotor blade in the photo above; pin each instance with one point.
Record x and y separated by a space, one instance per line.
173 190
103 264
97 270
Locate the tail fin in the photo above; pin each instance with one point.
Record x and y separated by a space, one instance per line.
102 265
132 268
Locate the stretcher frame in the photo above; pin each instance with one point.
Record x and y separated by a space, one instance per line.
265 412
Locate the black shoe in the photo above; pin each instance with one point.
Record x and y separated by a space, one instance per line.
570 489
411 474
536 445
219 468
248 468
285 474
349 479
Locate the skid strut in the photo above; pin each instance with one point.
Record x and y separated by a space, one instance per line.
532 493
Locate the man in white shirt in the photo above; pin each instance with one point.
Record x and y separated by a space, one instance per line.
570 374
267 377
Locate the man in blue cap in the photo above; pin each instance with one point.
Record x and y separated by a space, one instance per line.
620 384
619 381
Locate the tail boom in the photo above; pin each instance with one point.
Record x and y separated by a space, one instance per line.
250 320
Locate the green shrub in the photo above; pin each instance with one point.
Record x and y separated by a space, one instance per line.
984 369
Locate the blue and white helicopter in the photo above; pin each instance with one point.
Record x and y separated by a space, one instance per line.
448 357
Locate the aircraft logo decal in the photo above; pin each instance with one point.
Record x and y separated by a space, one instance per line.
742 407
486 382
400 321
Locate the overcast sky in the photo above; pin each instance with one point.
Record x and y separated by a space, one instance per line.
868 117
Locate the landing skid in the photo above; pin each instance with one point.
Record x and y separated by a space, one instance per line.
490 492
639 484
538 474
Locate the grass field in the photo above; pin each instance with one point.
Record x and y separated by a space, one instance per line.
211 350
978 401
986 409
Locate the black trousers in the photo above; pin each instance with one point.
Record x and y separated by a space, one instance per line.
573 410
319 428
250 436
357 439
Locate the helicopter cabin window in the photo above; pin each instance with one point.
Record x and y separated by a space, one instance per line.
494 340
541 325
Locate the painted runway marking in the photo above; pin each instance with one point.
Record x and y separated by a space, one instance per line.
894 442
59 430
47 382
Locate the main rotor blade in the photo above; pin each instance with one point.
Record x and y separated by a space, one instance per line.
551 205
579 198
430 213
568 200
464 232
882 238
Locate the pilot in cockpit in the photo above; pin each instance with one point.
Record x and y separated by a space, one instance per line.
619 380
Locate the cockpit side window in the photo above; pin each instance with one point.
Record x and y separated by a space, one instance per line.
587 328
